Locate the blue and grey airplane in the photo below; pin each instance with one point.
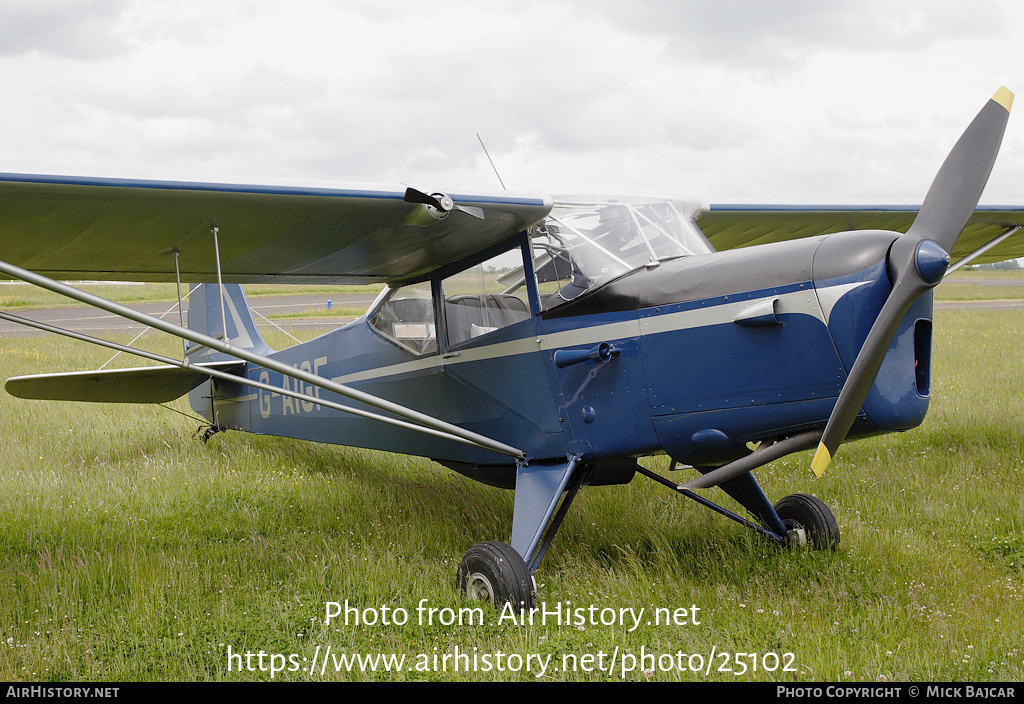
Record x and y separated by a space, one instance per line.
531 341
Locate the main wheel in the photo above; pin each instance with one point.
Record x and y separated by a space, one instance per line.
495 573
810 514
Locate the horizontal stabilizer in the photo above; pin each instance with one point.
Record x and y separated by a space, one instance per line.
139 385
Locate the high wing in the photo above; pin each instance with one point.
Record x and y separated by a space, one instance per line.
731 226
129 230
116 229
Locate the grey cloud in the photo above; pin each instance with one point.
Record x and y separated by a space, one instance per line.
784 33
82 29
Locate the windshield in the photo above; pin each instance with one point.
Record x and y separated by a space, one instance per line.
587 240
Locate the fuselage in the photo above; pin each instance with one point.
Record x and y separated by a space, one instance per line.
712 352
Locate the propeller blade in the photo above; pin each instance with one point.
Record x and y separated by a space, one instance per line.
414 196
918 259
478 213
955 192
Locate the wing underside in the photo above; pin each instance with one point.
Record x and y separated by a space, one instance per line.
111 229
108 229
731 226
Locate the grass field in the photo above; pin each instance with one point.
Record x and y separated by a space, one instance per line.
132 551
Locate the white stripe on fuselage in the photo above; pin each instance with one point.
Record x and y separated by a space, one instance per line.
579 336
803 302
829 296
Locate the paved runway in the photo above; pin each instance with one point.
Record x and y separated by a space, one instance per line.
987 282
1012 300
1010 303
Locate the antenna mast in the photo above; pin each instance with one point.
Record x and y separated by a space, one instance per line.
492 162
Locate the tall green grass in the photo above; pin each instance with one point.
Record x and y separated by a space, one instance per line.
131 550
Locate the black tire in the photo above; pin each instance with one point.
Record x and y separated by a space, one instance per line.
495 573
811 514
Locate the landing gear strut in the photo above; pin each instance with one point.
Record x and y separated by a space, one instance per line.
795 520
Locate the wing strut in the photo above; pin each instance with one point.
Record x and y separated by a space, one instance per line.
220 284
177 282
418 421
984 248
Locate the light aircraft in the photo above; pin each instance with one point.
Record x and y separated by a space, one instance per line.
527 341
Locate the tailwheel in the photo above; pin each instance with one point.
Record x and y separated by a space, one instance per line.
809 521
495 573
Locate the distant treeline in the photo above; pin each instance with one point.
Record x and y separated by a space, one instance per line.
1010 264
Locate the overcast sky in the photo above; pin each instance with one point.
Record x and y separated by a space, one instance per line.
729 101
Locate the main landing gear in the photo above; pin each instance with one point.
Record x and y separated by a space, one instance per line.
503 574
498 573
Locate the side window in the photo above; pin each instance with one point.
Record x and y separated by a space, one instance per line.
485 298
407 318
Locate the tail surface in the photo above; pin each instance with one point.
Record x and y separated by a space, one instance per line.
205 315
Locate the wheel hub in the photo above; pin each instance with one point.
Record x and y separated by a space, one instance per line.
478 587
797 538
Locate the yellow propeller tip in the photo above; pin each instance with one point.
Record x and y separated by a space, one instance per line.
821 459
1004 97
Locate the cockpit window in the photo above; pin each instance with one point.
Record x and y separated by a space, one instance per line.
407 318
485 298
587 241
